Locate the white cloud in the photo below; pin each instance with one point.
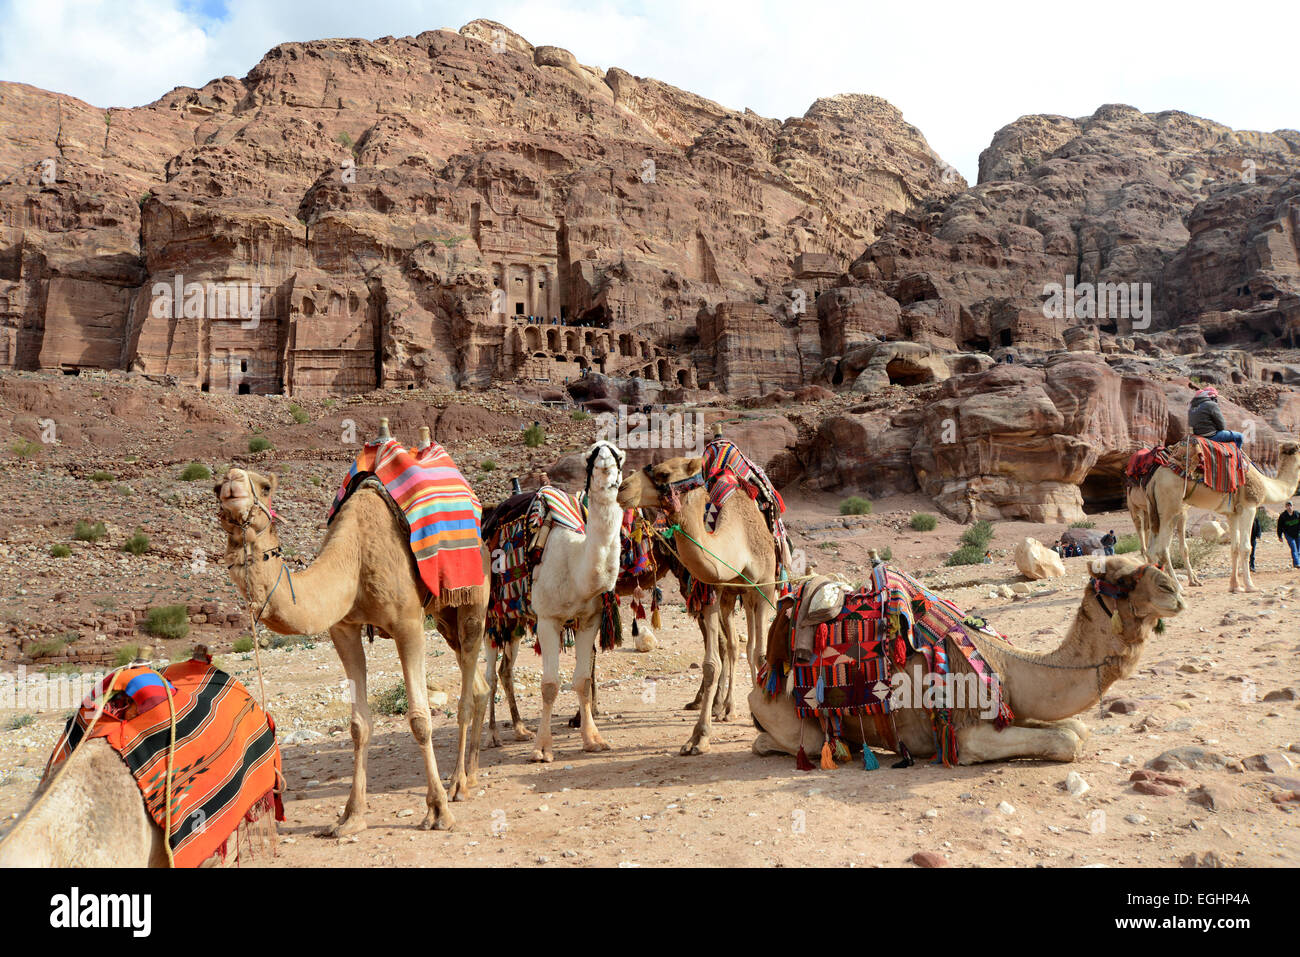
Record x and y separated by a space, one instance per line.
957 71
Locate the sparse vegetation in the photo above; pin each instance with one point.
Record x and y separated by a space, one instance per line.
315 480
977 536
20 721
125 655
1126 544
967 555
1266 521
855 505
24 448
243 644
51 646
1199 550
195 471
137 544
1083 524
886 554
391 701
102 477
580 415
259 443
298 413
534 436
923 522
89 532
60 551
488 465
167 621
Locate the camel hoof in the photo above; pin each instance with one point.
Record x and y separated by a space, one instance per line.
459 790
692 706
600 744
345 828
494 743
692 749
438 822
542 757
523 734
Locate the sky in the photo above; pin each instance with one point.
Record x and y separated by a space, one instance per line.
958 71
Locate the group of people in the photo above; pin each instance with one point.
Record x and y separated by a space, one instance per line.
1068 548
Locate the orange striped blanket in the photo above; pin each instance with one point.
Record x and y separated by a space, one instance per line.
226 761
441 509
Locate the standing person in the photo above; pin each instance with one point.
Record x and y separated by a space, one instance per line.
1205 418
1288 525
1255 533
1108 542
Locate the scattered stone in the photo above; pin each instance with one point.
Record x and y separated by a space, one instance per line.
1153 789
1283 694
1207 797
1123 706
1159 778
1207 859
1135 818
1187 758
1273 762
1076 785
1006 808
929 859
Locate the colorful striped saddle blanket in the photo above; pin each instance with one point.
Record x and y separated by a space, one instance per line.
226 763
441 510
1220 466
725 469
857 655
516 536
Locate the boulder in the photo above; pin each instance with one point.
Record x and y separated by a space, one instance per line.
1036 561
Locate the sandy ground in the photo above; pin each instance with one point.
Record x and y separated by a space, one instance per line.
1201 683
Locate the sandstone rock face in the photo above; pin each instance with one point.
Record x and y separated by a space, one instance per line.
1036 561
449 208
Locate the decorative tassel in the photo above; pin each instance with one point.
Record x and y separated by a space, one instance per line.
842 753
1116 625
821 689
801 761
635 628
656 622
828 759
907 761
1160 626
869 762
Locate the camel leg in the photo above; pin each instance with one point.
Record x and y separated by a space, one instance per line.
710 625
548 635
473 701
694 703
756 620
510 654
1239 527
410 649
981 742
585 686
1187 556
490 657
347 642
724 699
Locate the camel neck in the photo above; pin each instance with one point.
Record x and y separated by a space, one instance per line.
291 601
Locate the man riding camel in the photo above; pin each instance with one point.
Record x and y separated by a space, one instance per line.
1205 418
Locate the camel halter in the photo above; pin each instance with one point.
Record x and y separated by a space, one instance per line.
284 572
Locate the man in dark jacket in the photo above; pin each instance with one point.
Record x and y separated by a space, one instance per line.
1255 533
1288 529
1205 418
1108 542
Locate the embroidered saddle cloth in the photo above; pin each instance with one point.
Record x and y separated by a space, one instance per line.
1219 466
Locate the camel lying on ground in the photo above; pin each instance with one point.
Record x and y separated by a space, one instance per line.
1045 690
364 574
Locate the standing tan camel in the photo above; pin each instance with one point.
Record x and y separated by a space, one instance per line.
1044 690
364 574
741 547
1169 495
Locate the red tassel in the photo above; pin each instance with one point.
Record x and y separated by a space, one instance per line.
801 761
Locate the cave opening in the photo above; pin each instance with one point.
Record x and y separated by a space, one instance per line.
1102 491
977 344
1004 337
906 374
243 389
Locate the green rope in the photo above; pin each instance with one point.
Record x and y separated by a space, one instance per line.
672 530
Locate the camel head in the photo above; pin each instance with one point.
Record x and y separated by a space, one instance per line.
1149 591
244 499
604 466
652 487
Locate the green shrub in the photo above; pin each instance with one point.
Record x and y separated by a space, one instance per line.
299 416
50 646
1266 521
259 443
1127 543
977 536
137 544
102 477
125 655
60 551
580 415
967 555
1199 550
886 554
923 522
167 621
855 506
196 471
243 644
1084 524
20 721
88 532
488 465
315 480
24 448
392 701
534 436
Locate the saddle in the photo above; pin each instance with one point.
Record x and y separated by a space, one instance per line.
1219 466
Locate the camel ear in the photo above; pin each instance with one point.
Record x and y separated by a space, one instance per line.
694 465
